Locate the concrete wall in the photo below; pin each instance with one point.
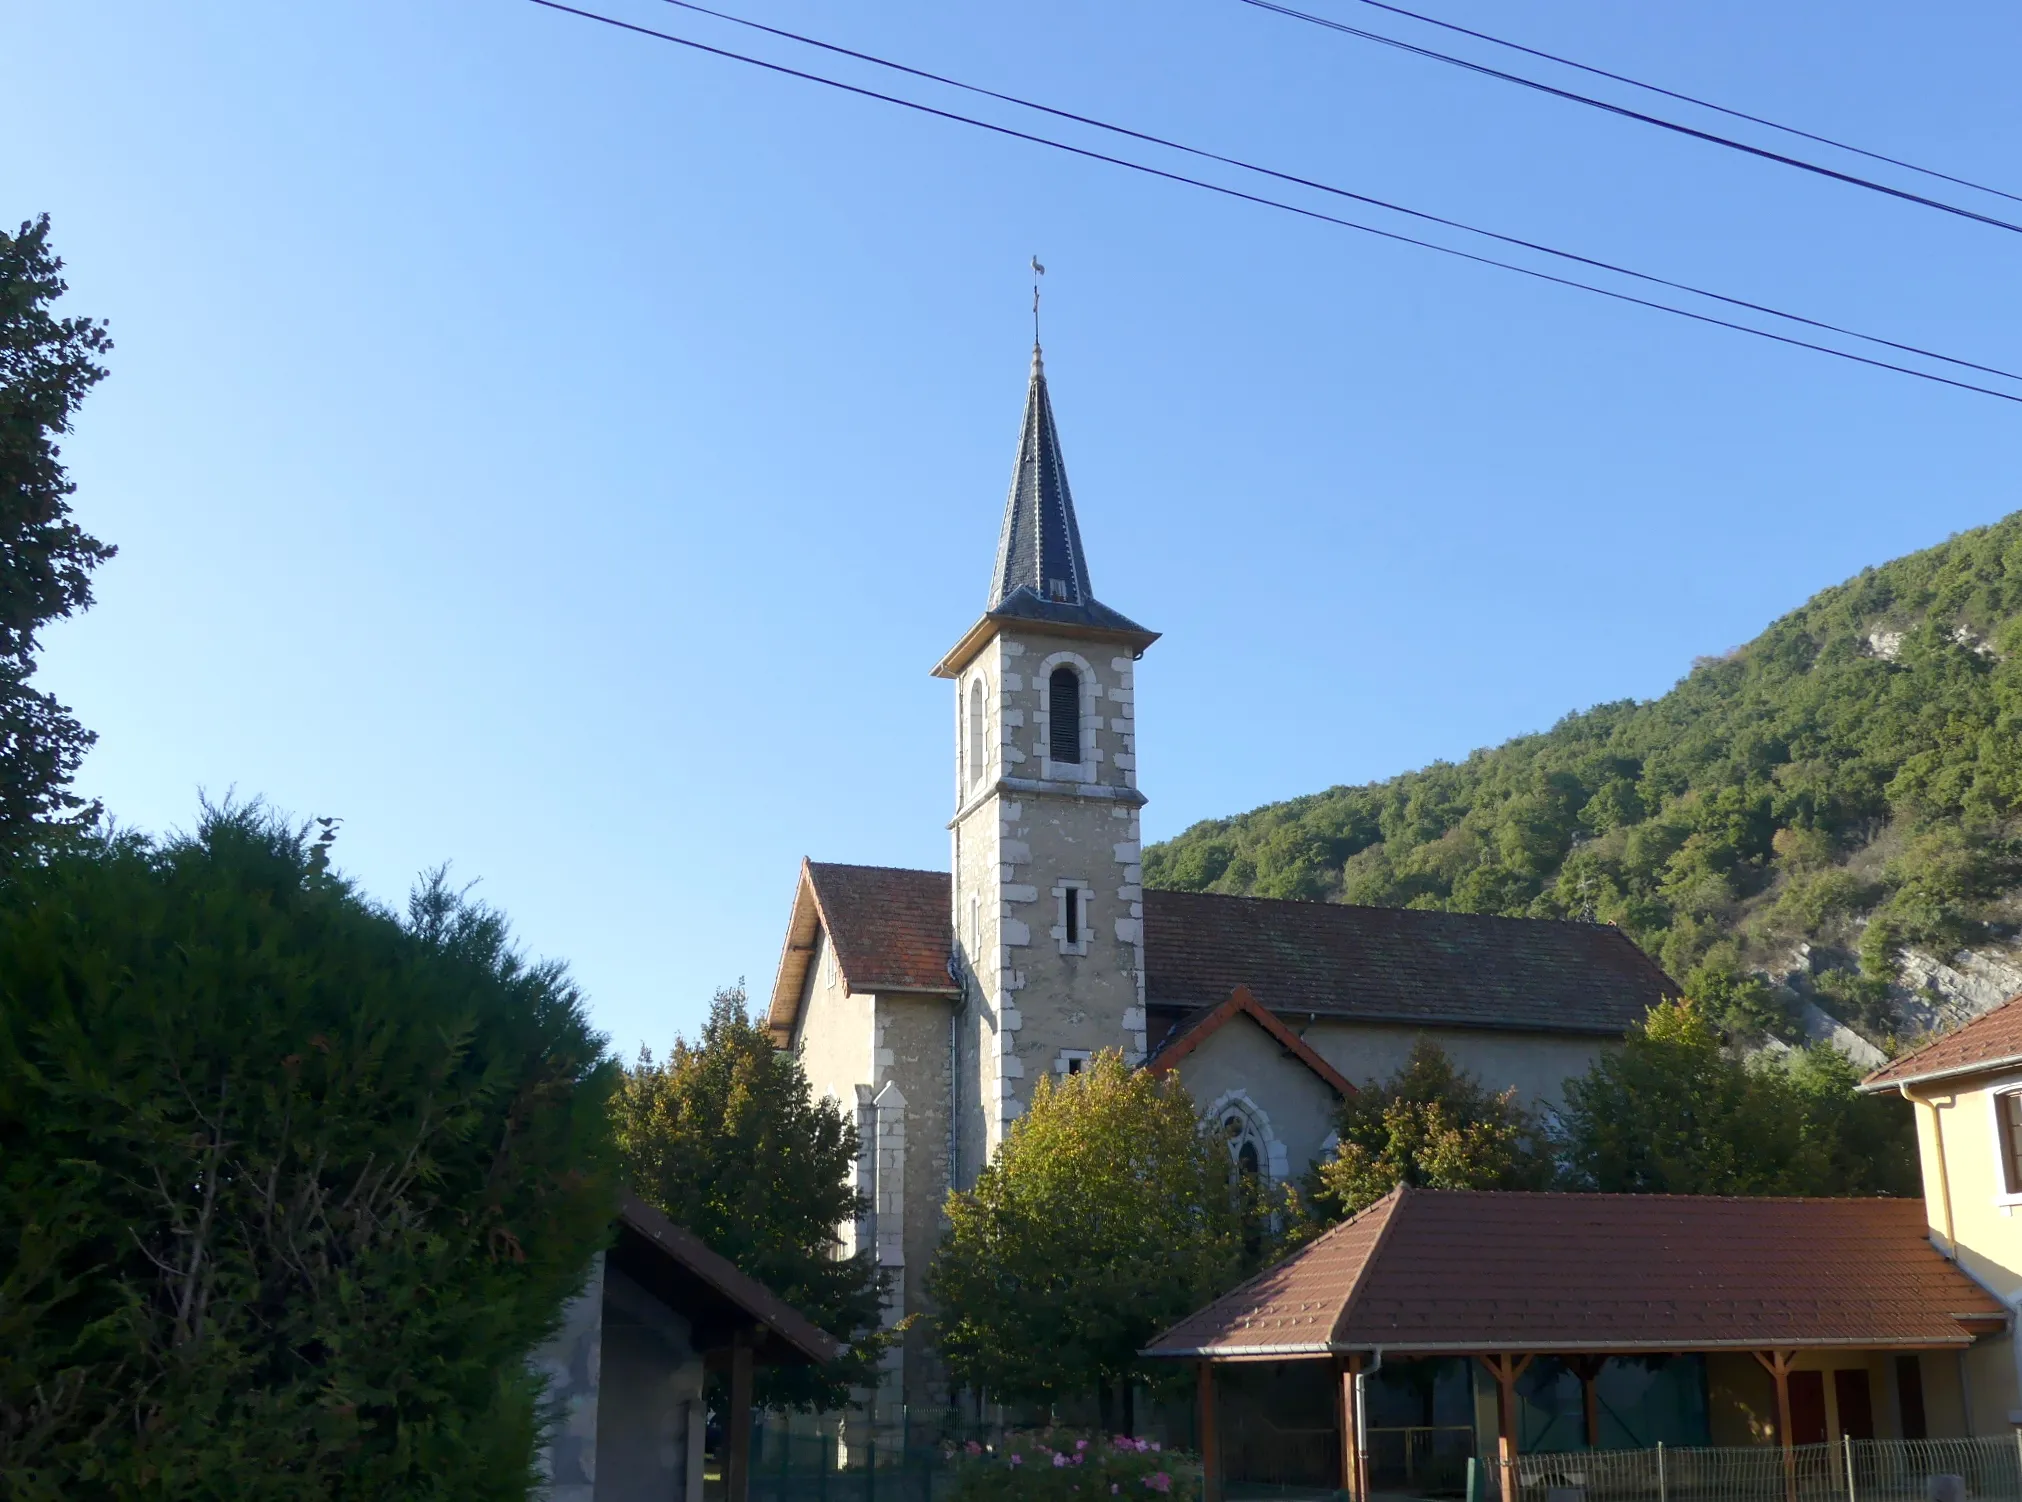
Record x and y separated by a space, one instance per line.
1243 1061
1967 1204
649 1404
625 1389
1537 1064
837 1037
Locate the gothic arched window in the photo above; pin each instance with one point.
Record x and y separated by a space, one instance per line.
1063 714
1246 1144
976 730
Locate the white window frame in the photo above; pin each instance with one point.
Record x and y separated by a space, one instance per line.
1088 768
1080 893
2012 1085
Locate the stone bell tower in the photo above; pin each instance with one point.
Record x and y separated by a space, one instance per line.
1048 902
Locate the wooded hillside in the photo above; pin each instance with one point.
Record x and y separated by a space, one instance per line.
1850 778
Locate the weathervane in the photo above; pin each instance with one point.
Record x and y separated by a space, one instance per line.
1037 272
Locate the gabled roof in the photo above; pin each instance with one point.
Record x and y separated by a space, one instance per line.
678 1267
1399 964
889 927
1193 1031
891 931
1426 1270
1993 1040
1041 577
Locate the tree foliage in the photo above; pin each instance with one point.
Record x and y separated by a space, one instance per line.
47 364
727 1137
1674 1112
1106 1215
1431 1126
1852 777
291 1185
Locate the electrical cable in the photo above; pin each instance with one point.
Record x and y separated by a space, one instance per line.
1307 182
1693 99
1237 193
1623 110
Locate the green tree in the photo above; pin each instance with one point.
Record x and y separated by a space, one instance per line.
291 1185
1431 1126
47 364
1673 1111
727 1137
1106 1215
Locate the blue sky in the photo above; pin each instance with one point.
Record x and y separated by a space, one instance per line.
563 455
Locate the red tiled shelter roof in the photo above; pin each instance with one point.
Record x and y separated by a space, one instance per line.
1993 1040
1482 1272
891 932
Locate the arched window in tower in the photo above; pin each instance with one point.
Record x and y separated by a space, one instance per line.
1063 715
976 757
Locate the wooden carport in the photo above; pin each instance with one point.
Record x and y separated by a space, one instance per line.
1505 1278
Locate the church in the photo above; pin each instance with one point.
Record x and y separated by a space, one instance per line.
928 1003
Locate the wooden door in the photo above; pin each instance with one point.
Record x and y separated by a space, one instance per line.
1807 1408
1856 1402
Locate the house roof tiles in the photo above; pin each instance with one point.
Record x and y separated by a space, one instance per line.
1993 1040
1429 1270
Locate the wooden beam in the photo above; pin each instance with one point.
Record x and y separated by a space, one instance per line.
1588 1370
1506 1368
1778 1364
1211 1447
737 1465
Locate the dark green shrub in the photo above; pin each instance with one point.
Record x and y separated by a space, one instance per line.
291 1185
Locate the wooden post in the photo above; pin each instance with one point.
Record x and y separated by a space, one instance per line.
1588 1370
1211 1446
1354 1473
1778 1364
1506 1369
737 1466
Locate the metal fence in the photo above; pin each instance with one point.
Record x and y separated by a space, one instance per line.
1853 1470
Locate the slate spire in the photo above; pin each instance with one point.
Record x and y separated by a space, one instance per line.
1040 546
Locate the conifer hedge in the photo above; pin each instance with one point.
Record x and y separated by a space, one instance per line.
289 1184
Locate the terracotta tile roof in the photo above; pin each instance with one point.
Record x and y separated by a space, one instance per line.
1397 964
890 929
1990 1041
1432 1270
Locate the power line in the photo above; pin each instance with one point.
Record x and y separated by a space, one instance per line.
1307 182
1237 193
1623 110
1705 104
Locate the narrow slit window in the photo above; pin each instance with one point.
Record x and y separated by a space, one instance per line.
1073 915
976 757
1063 715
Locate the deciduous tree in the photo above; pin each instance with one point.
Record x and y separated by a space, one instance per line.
1431 1126
728 1138
47 364
1106 1215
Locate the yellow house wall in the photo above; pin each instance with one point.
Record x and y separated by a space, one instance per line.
1970 1211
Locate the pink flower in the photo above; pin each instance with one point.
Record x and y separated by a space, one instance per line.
1081 1444
1059 1460
973 1448
1017 1460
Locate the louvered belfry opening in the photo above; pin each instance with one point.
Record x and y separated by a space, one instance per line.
1063 715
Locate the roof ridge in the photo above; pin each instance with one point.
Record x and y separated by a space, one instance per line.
1395 1200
